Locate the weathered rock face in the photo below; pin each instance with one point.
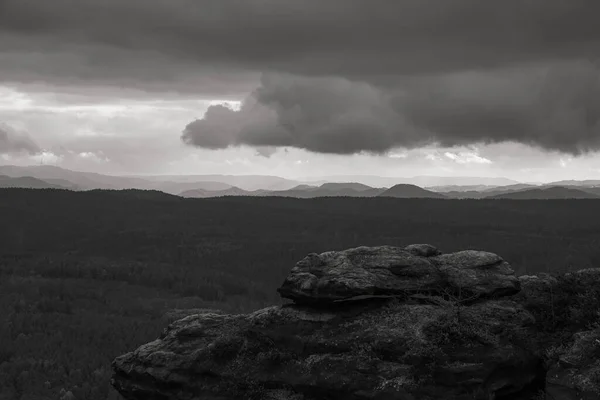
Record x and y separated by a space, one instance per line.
383 351
414 345
393 271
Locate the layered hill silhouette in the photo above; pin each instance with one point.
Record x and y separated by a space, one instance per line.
486 192
232 191
28 182
405 191
421 180
332 189
206 186
554 192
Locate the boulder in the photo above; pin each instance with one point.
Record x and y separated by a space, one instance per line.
394 271
423 250
383 350
406 335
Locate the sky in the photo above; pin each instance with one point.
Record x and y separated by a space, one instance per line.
303 88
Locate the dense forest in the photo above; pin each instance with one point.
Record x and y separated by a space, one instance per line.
87 276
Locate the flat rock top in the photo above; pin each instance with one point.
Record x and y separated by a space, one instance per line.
396 271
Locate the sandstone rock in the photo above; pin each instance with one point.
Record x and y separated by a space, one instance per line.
423 250
541 281
407 338
177 314
382 350
393 271
478 273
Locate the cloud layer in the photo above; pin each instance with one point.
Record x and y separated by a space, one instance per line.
555 108
13 142
331 77
209 46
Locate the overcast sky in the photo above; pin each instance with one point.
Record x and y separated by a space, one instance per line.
303 87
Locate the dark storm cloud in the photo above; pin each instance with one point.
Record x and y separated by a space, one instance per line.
555 108
12 142
202 45
329 115
339 76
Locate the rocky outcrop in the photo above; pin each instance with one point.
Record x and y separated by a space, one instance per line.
178 313
372 323
393 271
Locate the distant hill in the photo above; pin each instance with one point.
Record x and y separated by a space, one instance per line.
244 182
232 191
586 183
593 190
460 188
214 185
411 191
90 180
63 183
303 187
140 194
330 189
467 194
178 187
421 181
509 188
301 191
337 186
554 192
84 180
27 182
487 191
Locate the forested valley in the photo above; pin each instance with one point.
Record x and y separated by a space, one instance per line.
87 276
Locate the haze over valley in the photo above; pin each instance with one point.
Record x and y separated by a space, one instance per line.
205 186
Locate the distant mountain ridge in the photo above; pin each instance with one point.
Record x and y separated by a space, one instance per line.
176 184
547 193
488 191
584 183
335 189
423 181
77 180
27 182
232 191
244 182
203 186
405 191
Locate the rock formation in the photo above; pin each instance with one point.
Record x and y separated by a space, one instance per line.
373 323
393 271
